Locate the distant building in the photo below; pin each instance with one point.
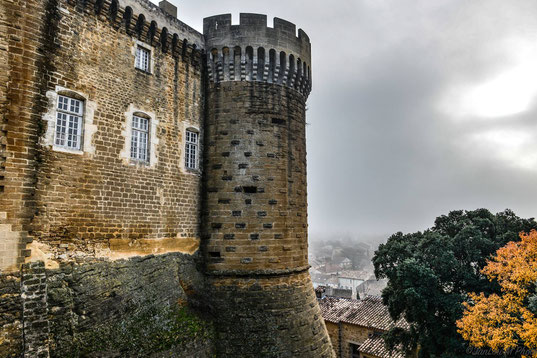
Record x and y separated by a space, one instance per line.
356 327
352 284
346 264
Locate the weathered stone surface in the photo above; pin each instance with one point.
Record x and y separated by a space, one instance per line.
11 340
92 237
274 186
138 307
279 316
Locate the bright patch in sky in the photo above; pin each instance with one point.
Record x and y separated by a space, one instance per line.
509 93
511 146
504 93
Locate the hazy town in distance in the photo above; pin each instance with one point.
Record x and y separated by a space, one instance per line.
343 265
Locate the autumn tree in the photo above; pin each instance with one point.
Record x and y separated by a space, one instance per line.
431 273
506 321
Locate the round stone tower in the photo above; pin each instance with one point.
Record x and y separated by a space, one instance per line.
255 210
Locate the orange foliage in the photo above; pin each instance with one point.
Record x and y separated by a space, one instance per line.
503 322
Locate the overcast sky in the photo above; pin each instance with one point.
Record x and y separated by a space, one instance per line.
418 107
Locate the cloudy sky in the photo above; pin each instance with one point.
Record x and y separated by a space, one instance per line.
418 107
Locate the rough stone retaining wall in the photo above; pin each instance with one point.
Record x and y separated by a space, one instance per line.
141 307
11 341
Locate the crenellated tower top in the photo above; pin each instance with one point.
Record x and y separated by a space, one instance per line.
252 51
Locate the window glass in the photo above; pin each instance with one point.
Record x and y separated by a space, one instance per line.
68 133
140 139
142 59
191 150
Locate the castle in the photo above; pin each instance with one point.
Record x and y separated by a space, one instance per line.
146 168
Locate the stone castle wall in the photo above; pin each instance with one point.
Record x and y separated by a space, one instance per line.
256 177
99 253
100 200
21 58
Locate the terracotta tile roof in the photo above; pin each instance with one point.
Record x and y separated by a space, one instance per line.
368 312
375 347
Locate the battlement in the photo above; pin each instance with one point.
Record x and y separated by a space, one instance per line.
252 51
148 23
153 12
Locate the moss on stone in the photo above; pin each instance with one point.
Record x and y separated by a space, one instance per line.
142 334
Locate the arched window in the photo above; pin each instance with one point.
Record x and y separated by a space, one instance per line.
98 6
249 62
175 42
152 31
164 39
291 70
127 17
237 53
112 11
140 25
298 72
283 66
272 65
260 63
184 48
214 60
225 62
140 134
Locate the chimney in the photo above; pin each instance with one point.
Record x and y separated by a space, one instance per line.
168 8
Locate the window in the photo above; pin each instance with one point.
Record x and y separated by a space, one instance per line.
191 150
143 56
140 139
354 350
68 133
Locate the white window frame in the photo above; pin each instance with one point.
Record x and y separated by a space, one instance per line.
142 58
192 145
153 140
140 139
69 124
89 129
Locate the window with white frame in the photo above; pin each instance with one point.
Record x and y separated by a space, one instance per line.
69 117
191 149
140 139
143 56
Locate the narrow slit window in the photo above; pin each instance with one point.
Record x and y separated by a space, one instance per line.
69 115
191 150
143 56
140 139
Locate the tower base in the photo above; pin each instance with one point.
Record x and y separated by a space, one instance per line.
269 317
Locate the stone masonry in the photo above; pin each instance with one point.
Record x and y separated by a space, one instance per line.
105 254
254 223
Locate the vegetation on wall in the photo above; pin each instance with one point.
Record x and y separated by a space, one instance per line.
141 334
430 274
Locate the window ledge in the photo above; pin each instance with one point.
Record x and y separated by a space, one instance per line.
139 163
142 71
192 171
67 150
